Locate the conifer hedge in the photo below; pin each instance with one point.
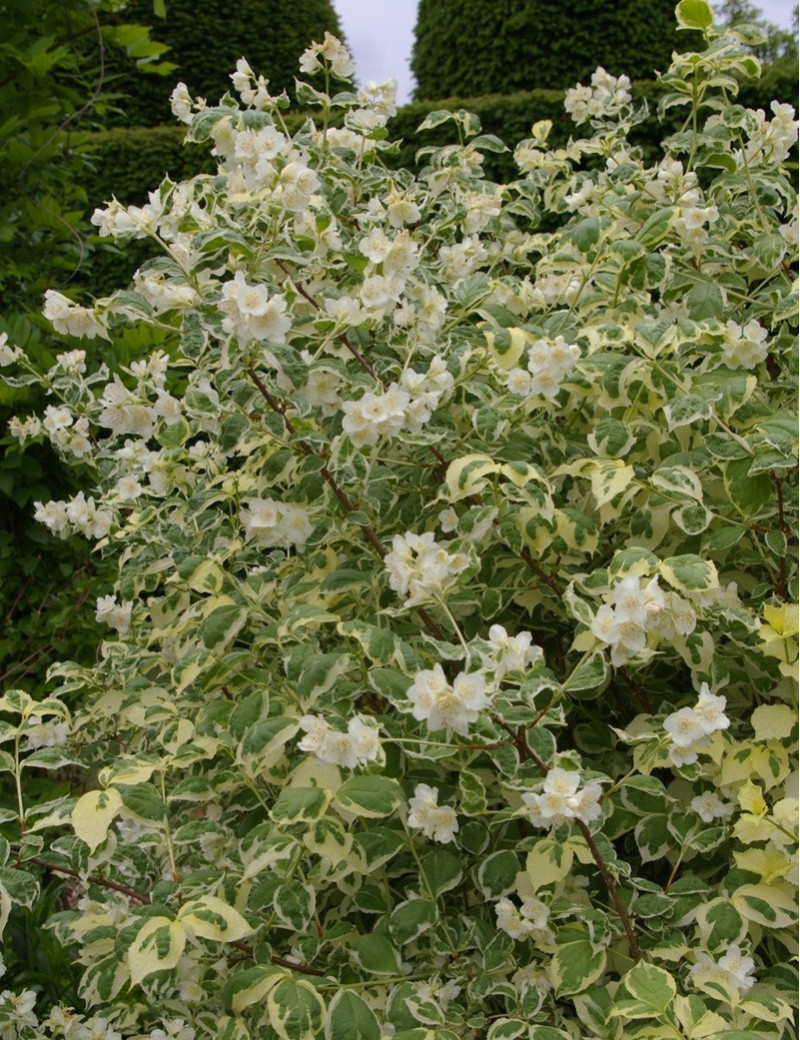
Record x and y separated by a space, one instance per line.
474 47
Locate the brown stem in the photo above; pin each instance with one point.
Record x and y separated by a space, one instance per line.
525 752
93 879
612 890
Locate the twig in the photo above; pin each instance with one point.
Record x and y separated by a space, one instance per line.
343 337
347 505
140 897
525 752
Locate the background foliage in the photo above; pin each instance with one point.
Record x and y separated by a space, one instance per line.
467 48
206 38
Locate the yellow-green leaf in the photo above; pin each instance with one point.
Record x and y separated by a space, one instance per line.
93 813
158 945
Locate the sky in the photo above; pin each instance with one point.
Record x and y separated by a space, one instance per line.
380 34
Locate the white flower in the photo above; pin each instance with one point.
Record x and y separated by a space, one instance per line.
125 412
435 821
512 653
8 355
710 710
273 523
689 728
709 806
359 745
607 96
732 969
684 727
71 320
444 706
117 615
422 569
181 103
17 1013
41 734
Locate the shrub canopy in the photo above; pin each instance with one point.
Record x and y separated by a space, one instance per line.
451 674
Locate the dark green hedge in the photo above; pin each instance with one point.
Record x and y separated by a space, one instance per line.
467 48
207 37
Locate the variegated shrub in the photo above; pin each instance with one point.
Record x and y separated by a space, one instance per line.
450 684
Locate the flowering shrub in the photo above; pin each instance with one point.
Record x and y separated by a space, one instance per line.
450 682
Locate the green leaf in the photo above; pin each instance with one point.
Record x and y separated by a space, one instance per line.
247 987
410 919
296 1010
656 228
376 955
719 924
370 796
575 966
293 903
222 625
212 918
690 573
21 886
585 234
652 986
158 945
351 1018
694 14
592 674
497 874
705 300
748 493
441 871
653 837
143 801
299 804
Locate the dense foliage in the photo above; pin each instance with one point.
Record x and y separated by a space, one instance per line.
451 681
466 48
205 40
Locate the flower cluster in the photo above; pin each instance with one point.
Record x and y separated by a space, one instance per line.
690 728
70 319
334 54
421 569
356 747
528 921
8 355
549 361
436 821
606 98
50 733
744 346
79 515
406 405
251 313
632 611
562 799
510 654
732 969
449 706
272 523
